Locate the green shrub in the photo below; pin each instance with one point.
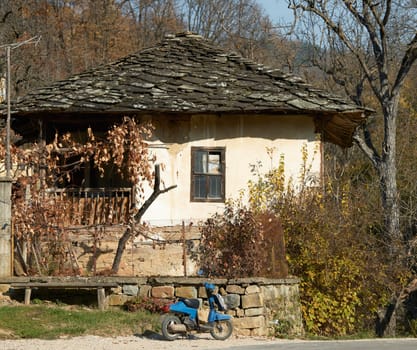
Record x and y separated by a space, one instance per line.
281 328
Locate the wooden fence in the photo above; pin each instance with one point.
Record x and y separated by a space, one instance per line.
94 206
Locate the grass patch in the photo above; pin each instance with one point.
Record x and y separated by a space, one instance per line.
50 322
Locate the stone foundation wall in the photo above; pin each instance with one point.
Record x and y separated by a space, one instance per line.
168 256
259 306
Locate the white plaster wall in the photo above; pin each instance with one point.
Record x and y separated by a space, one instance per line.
246 140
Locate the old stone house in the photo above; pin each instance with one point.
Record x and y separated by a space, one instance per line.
215 113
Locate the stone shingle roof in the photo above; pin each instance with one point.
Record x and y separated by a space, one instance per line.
187 74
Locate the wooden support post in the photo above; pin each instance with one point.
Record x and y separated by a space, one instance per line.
28 292
101 298
6 264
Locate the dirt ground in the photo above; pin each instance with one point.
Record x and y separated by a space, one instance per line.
201 341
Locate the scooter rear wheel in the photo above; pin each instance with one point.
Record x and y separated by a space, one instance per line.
165 327
222 329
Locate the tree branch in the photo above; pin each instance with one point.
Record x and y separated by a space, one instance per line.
387 13
408 60
337 29
130 232
156 192
378 46
367 147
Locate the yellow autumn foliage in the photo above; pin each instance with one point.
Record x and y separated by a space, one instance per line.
333 247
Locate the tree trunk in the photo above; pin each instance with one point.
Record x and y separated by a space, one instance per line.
120 249
386 322
130 231
388 177
387 319
373 47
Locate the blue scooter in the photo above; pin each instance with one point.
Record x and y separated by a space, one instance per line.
183 317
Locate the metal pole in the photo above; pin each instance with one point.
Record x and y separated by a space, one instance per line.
8 158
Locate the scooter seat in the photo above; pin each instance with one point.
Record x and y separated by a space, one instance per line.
192 303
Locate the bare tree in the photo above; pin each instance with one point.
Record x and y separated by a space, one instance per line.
79 35
239 25
76 35
151 19
133 229
380 37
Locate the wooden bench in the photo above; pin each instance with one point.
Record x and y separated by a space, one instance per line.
100 286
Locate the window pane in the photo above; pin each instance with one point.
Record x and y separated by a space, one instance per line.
200 186
214 163
200 162
215 187
207 174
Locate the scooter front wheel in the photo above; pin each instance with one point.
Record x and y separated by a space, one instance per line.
222 329
166 327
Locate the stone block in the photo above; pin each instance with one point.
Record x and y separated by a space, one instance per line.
240 313
252 289
130 289
270 293
259 332
252 300
231 312
242 331
145 291
116 290
202 293
163 292
232 301
249 322
186 292
4 288
117 299
256 311
235 289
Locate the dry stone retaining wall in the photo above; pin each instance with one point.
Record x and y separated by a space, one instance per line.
259 306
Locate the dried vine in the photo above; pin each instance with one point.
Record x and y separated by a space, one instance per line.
42 245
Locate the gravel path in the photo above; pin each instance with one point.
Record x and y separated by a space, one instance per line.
201 341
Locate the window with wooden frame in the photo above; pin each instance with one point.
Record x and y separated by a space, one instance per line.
207 174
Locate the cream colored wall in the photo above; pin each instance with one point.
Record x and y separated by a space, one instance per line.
246 139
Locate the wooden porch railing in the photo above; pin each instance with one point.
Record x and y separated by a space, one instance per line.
94 206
